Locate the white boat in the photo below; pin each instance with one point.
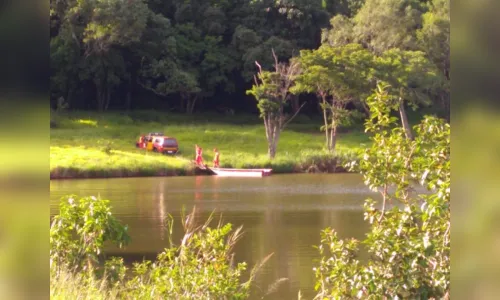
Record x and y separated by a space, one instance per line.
241 172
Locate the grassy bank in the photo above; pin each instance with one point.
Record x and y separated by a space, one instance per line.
91 145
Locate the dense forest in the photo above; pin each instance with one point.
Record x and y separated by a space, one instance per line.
200 55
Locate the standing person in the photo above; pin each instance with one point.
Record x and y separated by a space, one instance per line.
216 158
199 158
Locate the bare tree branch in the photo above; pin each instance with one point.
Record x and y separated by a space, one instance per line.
293 116
276 63
150 88
259 66
256 81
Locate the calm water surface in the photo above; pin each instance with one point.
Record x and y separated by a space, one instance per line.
280 214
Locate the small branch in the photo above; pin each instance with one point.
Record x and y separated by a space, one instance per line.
259 66
275 59
445 240
293 116
384 195
255 79
150 89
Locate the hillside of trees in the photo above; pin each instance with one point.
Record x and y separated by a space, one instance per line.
200 55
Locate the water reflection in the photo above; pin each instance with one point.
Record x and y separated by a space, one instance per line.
283 214
162 211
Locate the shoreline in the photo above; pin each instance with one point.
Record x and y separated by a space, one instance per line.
70 173
87 145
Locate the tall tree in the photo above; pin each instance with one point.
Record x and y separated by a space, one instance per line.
92 34
409 244
379 25
102 52
338 76
410 76
272 92
434 38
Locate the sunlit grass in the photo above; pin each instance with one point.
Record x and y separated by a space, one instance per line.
84 144
69 285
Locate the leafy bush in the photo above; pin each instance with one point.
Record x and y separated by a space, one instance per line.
410 243
79 232
201 267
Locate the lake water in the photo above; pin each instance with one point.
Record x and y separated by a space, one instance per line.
280 214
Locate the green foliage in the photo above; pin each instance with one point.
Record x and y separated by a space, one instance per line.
267 93
344 72
79 232
261 53
106 53
434 36
190 49
339 76
200 267
379 25
77 141
409 243
272 91
396 31
410 75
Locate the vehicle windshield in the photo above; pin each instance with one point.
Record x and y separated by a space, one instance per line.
170 143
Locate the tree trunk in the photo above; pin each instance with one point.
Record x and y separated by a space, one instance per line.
333 137
128 102
445 102
191 101
365 108
325 118
100 97
333 129
271 150
101 87
294 100
272 134
108 97
404 120
183 100
69 97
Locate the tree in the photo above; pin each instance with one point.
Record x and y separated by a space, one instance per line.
272 92
434 38
346 8
91 35
104 52
338 76
409 246
78 234
411 76
386 24
379 25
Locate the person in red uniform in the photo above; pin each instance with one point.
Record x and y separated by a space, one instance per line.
216 158
199 158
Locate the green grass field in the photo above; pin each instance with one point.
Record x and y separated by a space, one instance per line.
87 144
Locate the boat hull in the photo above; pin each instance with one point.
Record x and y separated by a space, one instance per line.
241 172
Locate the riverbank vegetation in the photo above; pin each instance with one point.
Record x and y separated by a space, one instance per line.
336 62
409 244
200 266
89 144
277 60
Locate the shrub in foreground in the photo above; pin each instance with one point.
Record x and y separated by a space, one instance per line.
409 245
200 267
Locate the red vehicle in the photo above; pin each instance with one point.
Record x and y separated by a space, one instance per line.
158 142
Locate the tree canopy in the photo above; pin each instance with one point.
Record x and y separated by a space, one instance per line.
197 55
